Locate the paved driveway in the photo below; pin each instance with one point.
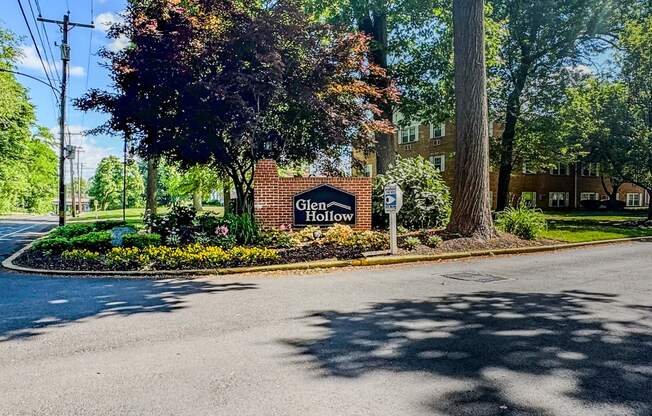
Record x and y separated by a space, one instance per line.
566 333
16 231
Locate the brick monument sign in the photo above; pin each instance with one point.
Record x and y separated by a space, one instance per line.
303 201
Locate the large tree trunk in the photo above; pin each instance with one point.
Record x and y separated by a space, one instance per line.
649 206
376 27
471 209
227 198
513 112
196 200
151 203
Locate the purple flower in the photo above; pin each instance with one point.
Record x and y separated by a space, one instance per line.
222 230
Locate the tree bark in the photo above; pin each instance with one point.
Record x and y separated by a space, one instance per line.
376 27
151 204
196 200
649 206
513 112
471 215
227 198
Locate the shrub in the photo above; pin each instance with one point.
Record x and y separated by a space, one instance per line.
276 239
338 235
591 204
243 227
93 241
616 205
426 197
433 241
141 240
369 241
53 244
72 230
410 243
80 255
308 234
108 225
522 221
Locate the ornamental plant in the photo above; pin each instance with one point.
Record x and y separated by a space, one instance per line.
426 197
522 221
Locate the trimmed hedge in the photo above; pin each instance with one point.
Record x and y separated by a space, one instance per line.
141 240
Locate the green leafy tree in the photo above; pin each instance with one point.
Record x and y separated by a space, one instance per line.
27 163
196 183
543 37
107 184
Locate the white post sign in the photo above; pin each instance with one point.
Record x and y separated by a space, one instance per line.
393 204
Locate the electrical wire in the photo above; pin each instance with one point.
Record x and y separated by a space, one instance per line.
47 39
49 59
31 34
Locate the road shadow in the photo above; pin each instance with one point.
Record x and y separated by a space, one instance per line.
30 304
493 341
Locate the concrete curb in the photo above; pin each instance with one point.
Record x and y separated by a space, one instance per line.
321 264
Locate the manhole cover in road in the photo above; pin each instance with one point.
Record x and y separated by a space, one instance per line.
474 277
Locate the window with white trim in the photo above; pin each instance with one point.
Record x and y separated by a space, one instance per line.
437 130
558 199
560 169
529 199
439 162
409 134
634 199
590 169
369 170
589 196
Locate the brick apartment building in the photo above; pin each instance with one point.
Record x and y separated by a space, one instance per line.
563 186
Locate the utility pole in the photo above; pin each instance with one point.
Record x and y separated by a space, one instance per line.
66 25
71 157
124 183
79 179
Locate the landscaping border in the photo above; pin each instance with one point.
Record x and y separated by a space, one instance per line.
321 264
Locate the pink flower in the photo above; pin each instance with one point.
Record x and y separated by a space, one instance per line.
285 227
222 230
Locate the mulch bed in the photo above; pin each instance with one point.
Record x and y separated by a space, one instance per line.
39 260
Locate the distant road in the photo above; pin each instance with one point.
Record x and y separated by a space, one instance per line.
17 231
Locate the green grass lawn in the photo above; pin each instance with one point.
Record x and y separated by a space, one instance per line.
582 226
131 214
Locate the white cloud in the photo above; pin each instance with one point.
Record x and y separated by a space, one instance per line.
580 69
93 152
104 21
29 60
118 44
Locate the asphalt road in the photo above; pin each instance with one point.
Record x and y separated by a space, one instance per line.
17 231
567 333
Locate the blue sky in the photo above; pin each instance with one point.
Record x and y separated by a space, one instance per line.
83 74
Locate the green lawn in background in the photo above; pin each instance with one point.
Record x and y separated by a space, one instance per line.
131 214
582 226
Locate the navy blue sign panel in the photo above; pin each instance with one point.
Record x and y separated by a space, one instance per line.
324 205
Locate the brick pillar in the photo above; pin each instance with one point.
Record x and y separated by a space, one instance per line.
266 195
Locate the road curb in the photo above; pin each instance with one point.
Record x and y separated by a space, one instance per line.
321 264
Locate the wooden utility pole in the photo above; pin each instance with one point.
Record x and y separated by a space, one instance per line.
79 179
66 25
471 215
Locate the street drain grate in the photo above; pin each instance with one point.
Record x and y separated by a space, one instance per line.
474 277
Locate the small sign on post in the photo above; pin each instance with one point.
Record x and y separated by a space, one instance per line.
393 203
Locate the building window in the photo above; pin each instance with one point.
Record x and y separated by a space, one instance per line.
529 199
437 130
409 134
634 200
589 196
560 169
491 129
439 162
369 170
558 199
527 170
590 169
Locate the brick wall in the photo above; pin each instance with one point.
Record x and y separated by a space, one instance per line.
273 204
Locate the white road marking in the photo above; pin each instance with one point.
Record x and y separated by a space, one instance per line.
17 231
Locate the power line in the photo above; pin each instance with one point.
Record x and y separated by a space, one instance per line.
49 60
88 62
47 39
38 52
